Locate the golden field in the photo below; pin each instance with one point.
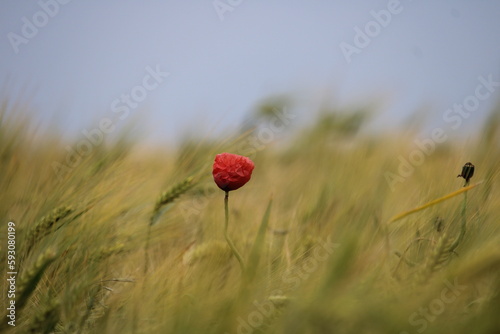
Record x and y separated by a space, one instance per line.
129 240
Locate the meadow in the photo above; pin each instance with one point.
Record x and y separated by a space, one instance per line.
129 240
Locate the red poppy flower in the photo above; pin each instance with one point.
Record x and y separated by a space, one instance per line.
231 171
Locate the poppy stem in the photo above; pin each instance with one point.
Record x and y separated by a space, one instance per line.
146 250
462 227
228 239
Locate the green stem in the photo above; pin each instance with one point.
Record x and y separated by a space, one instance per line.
146 250
462 227
228 239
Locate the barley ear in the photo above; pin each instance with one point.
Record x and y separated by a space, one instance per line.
46 225
169 196
436 260
163 204
30 278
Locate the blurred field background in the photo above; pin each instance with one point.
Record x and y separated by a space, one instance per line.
330 261
111 114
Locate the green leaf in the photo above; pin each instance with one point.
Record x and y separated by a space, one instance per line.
256 251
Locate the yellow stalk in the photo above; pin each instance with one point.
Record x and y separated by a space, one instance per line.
431 203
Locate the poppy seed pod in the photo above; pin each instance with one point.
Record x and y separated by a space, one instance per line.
467 172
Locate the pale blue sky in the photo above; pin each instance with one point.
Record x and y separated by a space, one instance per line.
91 52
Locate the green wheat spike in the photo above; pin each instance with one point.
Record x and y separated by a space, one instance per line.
30 279
169 196
46 225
